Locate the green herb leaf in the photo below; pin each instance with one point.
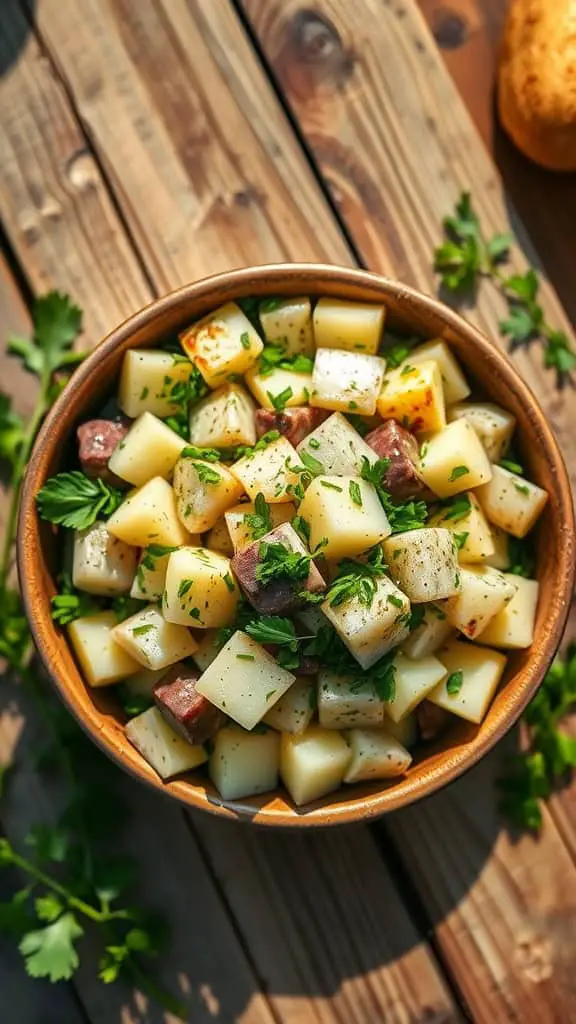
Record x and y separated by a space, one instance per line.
357 580
259 522
57 324
74 500
457 472
460 540
512 467
355 493
205 454
280 401
206 474
454 683
70 604
50 952
245 340
11 430
277 562
313 465
402 516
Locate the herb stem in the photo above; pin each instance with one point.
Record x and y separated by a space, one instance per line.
72 901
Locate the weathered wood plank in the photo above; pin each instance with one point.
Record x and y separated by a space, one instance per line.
194 142
396 147
468 34
55 205
388 984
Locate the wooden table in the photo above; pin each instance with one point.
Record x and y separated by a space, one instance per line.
145 143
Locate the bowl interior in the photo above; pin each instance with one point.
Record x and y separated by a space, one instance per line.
491 375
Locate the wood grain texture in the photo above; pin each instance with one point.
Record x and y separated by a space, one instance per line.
396 147
296 223
468 33
292 892
189 153
55 205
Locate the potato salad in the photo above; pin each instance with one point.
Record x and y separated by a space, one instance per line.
296 546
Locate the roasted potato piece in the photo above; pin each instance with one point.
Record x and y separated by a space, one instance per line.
375 755
203 490
513 627
149 449
423 563
454 383
200 589
281 594
147 381
473 676
288 322
224 419
295 388
469 526
102 564
346 512
483 594
294 711
346 381
221 344
454 460
370 632
274 472
148 516
343 706
338 447
414 395
102 660
414 681
152 641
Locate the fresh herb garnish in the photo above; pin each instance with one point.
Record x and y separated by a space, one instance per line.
355 493
184 586
402 516
245 340
143 629
457 472
280 400
273 357
70 604
302 528
277 562
551 755
229 582
417 613
456 508
511 466
357 580
74 500
454 683
467 255
259 522
205 454
245 451
521 555
313 465
331 487
206 474
460 539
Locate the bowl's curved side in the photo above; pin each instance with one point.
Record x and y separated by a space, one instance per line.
94 709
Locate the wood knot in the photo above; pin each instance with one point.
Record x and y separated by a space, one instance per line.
534 956
316 41
450 30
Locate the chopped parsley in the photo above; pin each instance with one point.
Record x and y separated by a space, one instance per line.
402 516
229 581
245 340
511 466
184 586
460 540
281 400
331 487
313 465
454 683
457 472
142 630
357 580
277 562
259 522
355 493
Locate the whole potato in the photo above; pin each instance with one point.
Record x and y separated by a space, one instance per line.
537 81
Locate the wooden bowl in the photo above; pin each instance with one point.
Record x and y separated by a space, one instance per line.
96 709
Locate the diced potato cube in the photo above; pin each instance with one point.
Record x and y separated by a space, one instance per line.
375 755
484 593
354 326
208 648
270 472
511 502
341 705
454 383
481 669
142 683
470 528
101 563
223 419
414 396
101 659
313 763
431 634
330 507
149 449
347 381
493 425
454 460
266 387
203 490
500 559
148 516
200 589
294 711
150 578
152 641
239 528
405 731
243 763
163 748
147 380
218 538
370 632
338 447
244 681
513 627
289 323
223 343
423 563
414 680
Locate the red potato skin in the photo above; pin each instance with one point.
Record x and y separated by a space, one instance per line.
281 595
392 441
432 720
186 711
294 424
97 439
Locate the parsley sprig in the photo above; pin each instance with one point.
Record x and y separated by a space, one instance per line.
357 580
467 255
551 754
276 561
259 522
71 884
402 515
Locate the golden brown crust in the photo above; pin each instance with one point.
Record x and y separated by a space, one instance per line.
537 81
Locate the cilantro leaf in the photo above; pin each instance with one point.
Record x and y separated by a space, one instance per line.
57 323
74 500
11 430
50 952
